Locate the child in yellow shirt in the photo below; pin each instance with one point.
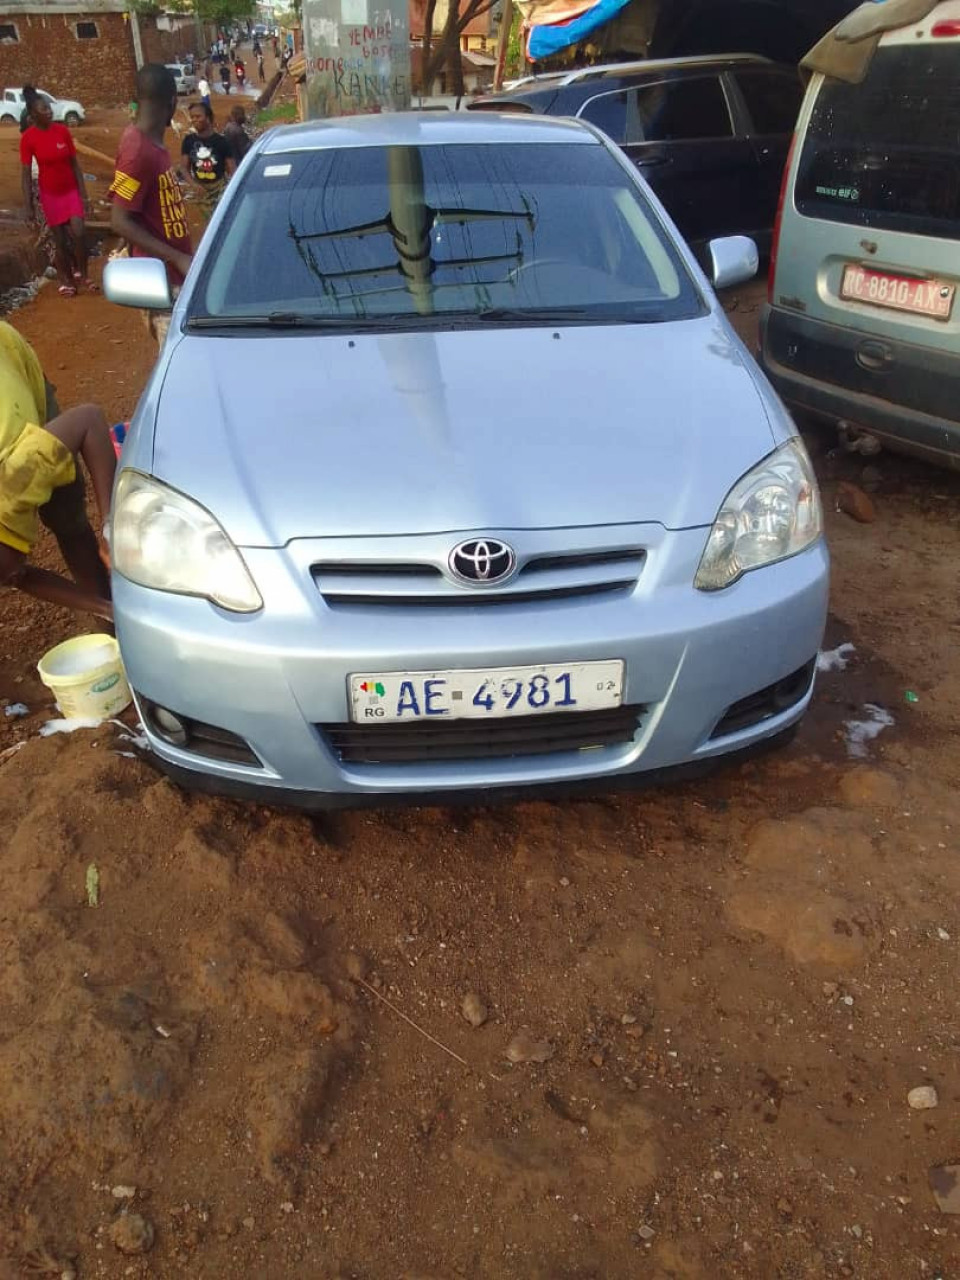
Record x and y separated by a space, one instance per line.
35 462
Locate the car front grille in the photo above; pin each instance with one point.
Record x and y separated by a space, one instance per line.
428 743
345 584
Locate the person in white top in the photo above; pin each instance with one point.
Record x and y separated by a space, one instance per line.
203 88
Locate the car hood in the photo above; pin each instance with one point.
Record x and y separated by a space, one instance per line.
298 436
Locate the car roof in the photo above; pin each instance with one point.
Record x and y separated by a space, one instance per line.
657 66
424 128
639 69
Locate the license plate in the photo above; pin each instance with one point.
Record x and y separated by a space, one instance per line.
488 693
881 289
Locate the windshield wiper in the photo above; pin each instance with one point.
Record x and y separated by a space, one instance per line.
408 320
538 315
277 320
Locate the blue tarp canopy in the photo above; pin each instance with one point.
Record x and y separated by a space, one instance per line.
548 40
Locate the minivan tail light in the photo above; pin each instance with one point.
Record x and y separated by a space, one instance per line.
947 27
775 243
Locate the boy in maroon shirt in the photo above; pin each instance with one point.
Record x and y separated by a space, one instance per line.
148 208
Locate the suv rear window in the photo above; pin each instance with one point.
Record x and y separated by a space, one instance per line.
884 153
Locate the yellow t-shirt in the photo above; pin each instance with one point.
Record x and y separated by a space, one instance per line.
32 461
23 392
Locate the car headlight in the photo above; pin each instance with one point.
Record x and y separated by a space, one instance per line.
771 513
161 539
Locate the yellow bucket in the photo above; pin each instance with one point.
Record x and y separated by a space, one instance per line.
86 677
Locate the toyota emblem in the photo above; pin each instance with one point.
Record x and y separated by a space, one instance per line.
482 562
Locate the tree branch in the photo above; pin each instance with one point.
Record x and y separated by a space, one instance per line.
448 46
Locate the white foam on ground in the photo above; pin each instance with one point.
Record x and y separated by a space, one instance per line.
69 726
861 732
835 659
16 710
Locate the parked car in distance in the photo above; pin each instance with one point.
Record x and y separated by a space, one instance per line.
412 593
184 76
64 109
863 322
710 134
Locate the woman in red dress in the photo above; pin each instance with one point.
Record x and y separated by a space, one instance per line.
62 194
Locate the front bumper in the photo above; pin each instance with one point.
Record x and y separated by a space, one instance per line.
275 678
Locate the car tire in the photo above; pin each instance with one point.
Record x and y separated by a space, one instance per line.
7 119
71 119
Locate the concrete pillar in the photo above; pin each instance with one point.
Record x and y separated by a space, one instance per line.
135 35
358 56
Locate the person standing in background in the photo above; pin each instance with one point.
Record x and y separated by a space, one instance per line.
61 192
148 209
260 70
44 235
236 134
203 88
225 77
209 156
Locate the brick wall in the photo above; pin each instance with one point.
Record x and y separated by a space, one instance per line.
164 46
96 72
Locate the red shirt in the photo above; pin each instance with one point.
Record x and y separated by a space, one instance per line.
145 184
54 151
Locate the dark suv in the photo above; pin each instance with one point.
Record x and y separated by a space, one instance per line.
710 134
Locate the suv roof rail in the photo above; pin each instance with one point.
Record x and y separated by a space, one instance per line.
660 64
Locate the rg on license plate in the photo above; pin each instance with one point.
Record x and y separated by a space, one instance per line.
487 693
901 293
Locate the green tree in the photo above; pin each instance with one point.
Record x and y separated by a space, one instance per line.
223 11
513 63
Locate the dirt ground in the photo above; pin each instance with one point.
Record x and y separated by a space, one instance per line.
732 986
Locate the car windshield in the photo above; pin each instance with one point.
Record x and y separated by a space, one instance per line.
884 153
424 234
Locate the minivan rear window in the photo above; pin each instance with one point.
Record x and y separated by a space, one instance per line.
886 153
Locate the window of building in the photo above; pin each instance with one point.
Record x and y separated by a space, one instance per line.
87 31
9 33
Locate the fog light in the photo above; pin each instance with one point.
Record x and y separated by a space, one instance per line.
170 727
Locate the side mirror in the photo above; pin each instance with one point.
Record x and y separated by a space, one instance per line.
137 282
733 260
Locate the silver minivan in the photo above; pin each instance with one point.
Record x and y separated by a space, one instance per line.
862 327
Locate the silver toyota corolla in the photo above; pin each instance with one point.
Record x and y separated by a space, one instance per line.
452 476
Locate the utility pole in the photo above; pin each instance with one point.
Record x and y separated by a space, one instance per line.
200 38
357 56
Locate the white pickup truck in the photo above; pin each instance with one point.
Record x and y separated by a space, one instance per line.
65 110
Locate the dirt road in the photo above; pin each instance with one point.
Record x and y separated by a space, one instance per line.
728 989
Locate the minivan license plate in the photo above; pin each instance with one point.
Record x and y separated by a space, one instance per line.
881 289
486 693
